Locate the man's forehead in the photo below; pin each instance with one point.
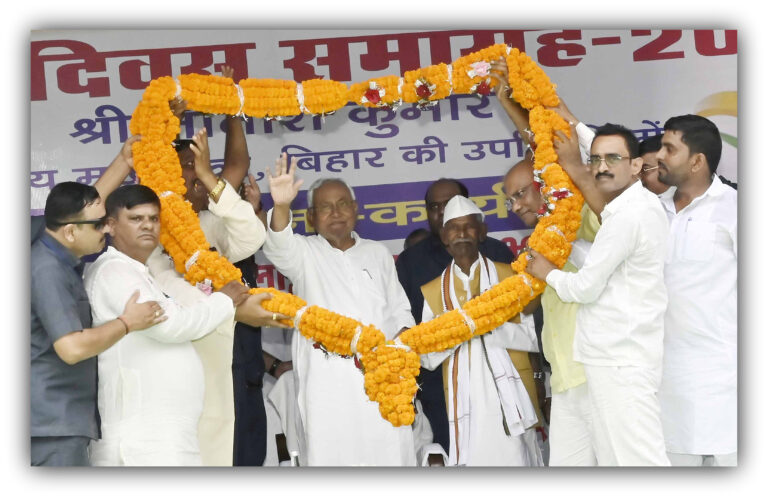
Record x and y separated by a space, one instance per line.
146 209
471 219
444 190
674 137
610 144
518 177
332 190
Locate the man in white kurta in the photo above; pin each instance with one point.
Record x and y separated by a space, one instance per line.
620 324
150 393
341 426
698 391
230 226
490 413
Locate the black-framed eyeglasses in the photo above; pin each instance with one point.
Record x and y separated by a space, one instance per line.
509 202
325 209
98 224
611 160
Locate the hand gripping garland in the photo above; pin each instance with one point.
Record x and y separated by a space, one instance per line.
390 367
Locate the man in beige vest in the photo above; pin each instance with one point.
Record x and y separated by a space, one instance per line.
490 393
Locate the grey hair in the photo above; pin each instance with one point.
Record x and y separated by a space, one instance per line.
322 181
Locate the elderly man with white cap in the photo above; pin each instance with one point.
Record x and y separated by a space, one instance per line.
490 412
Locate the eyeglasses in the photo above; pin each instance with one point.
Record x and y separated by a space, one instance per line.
98 224
611 160
646 168
327 208
510 201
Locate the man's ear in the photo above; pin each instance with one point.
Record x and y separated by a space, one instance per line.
697 162
483 231
310 217
111 222
68 232
636 165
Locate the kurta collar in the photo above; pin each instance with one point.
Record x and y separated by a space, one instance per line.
115 253
716 189
354 235
622 199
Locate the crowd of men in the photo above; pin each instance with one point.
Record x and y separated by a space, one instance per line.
628 358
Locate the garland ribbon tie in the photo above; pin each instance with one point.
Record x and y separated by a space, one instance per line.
192 260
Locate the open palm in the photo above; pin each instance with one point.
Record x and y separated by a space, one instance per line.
282 184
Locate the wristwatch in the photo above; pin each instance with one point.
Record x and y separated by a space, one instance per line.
274 366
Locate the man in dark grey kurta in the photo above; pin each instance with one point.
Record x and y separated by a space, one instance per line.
63 413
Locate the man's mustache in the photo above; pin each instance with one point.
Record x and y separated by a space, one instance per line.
603 174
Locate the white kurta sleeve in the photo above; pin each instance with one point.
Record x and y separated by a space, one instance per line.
397 300
586 135
116 280
518 336
163 271
232 227
432 360
285 249
613 244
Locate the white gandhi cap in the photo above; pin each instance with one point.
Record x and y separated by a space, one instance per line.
460 206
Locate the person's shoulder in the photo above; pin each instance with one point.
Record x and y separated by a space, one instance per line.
373 246
497 250
44 264
109 260
503 270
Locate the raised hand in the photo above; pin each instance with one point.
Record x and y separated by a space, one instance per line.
126 152
178 106
518 115
202 154
282 185
228 72
252 193
568 152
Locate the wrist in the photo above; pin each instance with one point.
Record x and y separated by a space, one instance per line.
125 324
273 369
207 178
216 191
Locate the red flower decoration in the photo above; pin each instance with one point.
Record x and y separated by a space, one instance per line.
484 88
542 210
373 96
560 195
423 91
537 186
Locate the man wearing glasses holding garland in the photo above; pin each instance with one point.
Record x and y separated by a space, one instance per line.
619 333
64 345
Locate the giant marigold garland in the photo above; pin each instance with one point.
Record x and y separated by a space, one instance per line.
390 367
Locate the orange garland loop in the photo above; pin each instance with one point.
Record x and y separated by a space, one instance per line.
390 367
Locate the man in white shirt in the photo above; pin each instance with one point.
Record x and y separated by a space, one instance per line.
698 388
151 384
620 323
490 411
233 229
352 276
